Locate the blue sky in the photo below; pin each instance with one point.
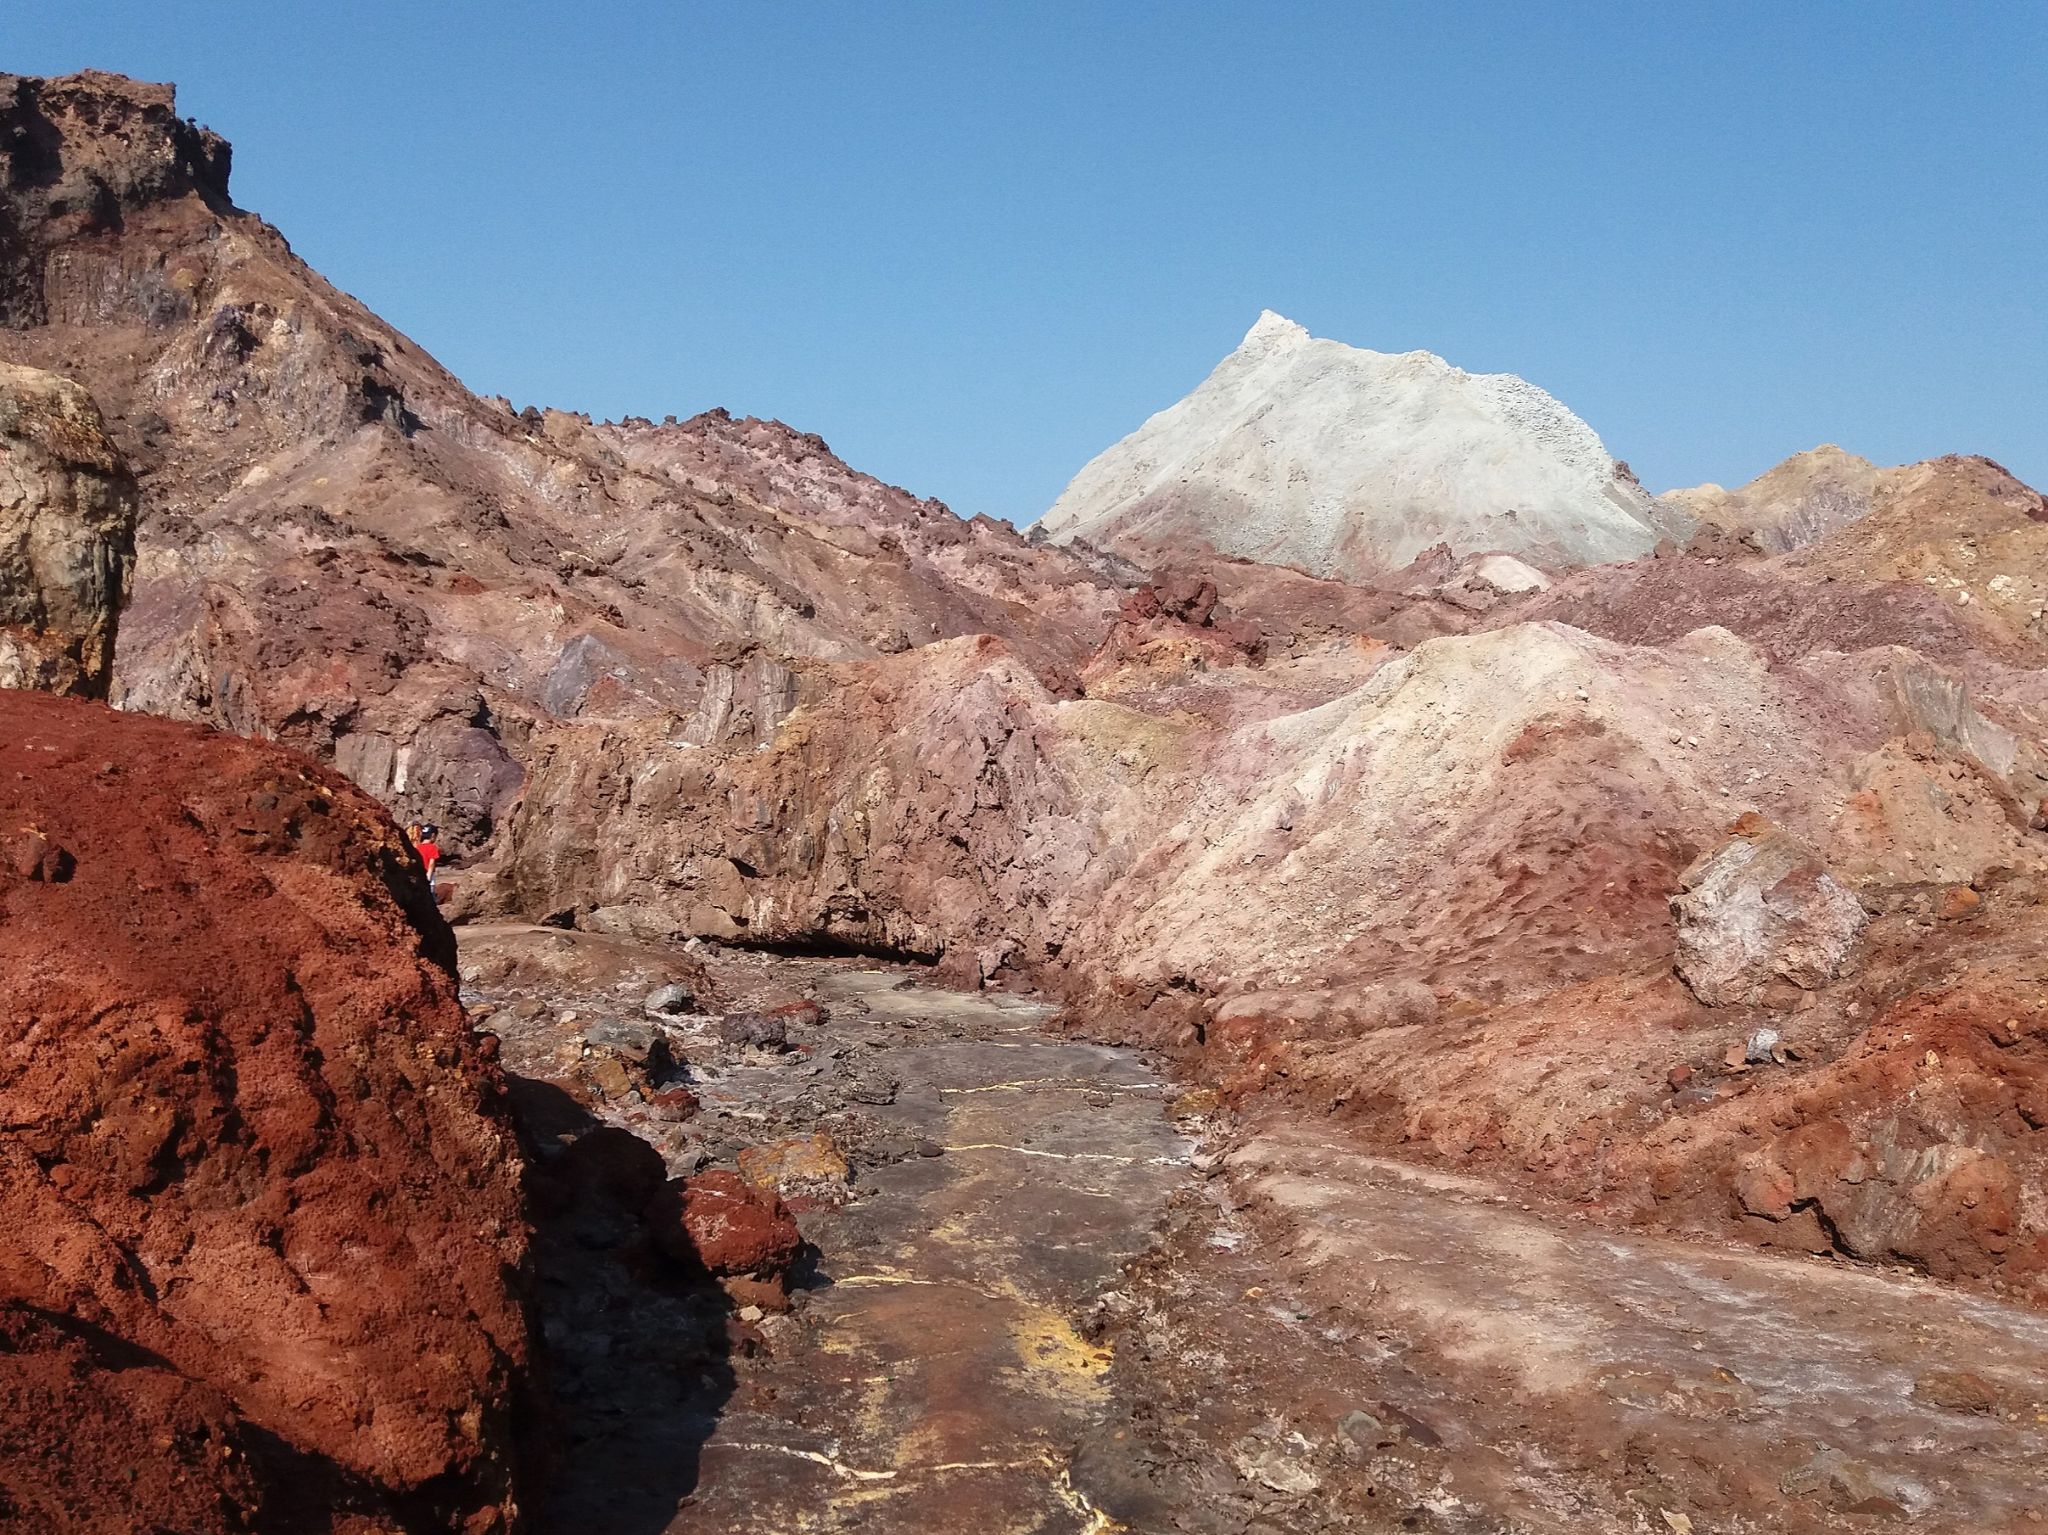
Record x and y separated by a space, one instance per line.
972 244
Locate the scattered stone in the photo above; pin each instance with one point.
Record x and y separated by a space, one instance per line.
805 1014
871 1086
930 1149
607 1077
640 1044
754 1031
1679 1077
31 856
723 1222
1097 1099
670 999
1280 1471
808 1166
1958 1391
1412 1427
1848 1485
1957 903
1362 1431
672 1105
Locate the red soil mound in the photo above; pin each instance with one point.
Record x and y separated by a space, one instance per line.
264 1240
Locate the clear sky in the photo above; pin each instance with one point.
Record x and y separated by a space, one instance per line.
972 244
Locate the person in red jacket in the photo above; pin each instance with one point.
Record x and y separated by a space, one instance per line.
429 848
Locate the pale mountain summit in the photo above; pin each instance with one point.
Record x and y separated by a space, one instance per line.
1347 462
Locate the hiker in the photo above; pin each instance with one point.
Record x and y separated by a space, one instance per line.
427 845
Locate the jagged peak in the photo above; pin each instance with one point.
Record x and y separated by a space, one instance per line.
1274 333
121 133
1273 330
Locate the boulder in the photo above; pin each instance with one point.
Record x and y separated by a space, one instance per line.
672 1105
1958 1391
806 1013
726 1224
1191 599
259 1187
1758 907
67 536
754 1031
670 999
1505 573
624 1058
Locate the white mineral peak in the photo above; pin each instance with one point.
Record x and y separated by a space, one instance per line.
1348 462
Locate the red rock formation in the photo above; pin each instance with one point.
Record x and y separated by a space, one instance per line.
1918 1144
261 1197
734 1229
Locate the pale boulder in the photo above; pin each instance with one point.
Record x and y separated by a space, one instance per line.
67 536
1760 907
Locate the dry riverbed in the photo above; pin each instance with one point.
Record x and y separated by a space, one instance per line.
1038 1304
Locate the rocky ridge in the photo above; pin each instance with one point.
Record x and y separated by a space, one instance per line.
267 1243
343 549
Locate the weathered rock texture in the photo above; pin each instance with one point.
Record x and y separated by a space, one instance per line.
1350 463
263 1225
1760 907
1971 539
67 536
1796 503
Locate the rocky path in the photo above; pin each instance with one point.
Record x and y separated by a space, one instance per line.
944 1384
